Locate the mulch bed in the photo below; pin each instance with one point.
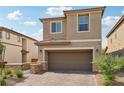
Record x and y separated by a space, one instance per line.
10 81
13 80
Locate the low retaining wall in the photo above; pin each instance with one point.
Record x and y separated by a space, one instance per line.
2 64
15 66
26 66
23 66
36 68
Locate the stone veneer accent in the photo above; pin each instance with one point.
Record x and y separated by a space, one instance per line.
94 67
19 67
26 66
45 66
23 66
35 68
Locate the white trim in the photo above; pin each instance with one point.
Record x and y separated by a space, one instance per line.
75 48
93 55
14 63
51 27
88 23
43 52
69 48
87 40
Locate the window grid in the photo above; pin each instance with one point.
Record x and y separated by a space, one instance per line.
56 27
83 23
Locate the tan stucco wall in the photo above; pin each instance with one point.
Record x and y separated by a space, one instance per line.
70 28
94 27
85 45
79 40
117 43
13 54
33 50
13 48
12 40
92 38
47 35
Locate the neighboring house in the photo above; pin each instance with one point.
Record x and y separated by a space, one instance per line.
115 38
20 49
71 42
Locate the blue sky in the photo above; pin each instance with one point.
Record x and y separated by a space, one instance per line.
26 19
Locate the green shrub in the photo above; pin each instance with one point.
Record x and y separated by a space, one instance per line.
19 74
2 82
7 71
110 77
107 82
109 66
120 63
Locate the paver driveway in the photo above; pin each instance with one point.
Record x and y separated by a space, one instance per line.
59 79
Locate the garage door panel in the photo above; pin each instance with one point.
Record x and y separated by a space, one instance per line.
70 60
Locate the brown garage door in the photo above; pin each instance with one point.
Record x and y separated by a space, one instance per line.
70 60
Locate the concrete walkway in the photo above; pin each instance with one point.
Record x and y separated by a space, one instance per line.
59 79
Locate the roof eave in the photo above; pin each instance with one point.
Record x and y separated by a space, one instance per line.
116 25
88 9
51 19
12 31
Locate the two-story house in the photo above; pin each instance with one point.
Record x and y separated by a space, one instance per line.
19 48
71 42
115 38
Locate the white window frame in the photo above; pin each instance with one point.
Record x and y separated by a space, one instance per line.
51 27
18 39
78 23
8 35
1 35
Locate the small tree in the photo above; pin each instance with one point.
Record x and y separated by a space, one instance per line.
2 52
109 66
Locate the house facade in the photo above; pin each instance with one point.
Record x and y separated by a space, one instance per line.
71 42
115 38
19 48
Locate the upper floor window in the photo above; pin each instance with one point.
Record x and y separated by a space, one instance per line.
18 38
0 35
56 27
7 35
83 23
